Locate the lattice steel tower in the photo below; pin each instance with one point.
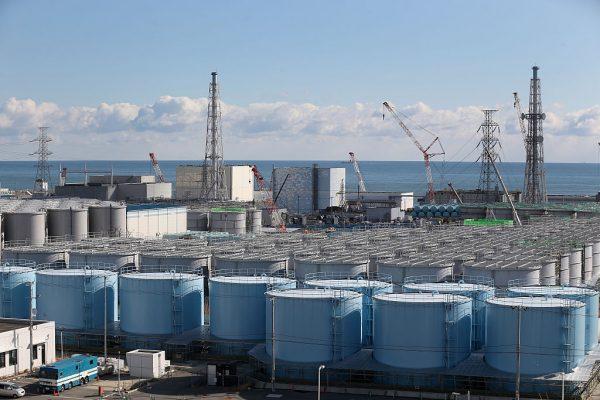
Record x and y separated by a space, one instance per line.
535 176
213 179
42 175
488 182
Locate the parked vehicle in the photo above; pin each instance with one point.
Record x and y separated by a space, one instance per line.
9 389
64 374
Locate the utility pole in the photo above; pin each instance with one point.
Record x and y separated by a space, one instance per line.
487 181
42 175
535 176
213 171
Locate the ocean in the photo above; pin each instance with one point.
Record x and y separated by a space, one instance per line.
408 176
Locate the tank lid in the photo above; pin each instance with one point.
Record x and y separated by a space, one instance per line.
421 298
159 275
448 286
534 302
313 293
551 290
251 280
76 272
16 269
346 283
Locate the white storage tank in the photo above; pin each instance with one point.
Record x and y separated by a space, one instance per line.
575 267
68 223
399 270
182 261
238 304
75 298
346 266
26 227
313 325
552 334
421 330
161 303
119 258
51 254
268 263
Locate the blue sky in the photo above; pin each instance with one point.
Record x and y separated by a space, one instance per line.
444 54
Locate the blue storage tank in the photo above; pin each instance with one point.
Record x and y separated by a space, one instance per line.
552 334
237 305
313 325
161 303
17 285
478 293
587 296
367 287
421 330
74 298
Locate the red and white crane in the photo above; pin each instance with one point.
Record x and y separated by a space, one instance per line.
427 154
157 171
519 110
270 205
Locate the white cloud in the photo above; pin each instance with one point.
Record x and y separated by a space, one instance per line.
175 127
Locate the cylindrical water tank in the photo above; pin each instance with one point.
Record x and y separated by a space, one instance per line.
17 290
367 287
459 262
119 258
268 263
400 270
26 227
595 261
478 293
232 221
552 334
238 304
197 220
69 223
108 220
254 221
37 255
588 253
74 298
564 269
588 296
194 262
313 325
421 330
342 266
548 272
575 270
161 303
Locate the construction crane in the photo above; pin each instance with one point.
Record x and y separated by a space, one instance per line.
157 171
519 110
515 214
425 150
455 193
270 205
361 181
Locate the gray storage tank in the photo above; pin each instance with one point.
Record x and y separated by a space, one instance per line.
228 220
17 289
421 330
161 303
108 220
313 325
74 298
238 304
68 223
50 254
269 262
346 266
25 227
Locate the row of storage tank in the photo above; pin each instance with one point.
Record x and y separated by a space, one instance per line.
75 223
436 211
428 325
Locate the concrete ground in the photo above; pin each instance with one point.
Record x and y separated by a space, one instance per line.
181 385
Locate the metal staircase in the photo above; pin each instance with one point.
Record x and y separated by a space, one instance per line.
337 329
177 307
88 301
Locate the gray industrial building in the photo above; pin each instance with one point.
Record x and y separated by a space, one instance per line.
305 189
117 188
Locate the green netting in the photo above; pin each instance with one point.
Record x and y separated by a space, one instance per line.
487 222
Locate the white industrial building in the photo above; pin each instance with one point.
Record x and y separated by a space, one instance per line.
147 364
14 345
305 189
146 221
238 179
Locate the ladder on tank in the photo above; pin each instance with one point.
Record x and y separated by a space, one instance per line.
567 333
177 307
451 341
337 329
88 301
6 298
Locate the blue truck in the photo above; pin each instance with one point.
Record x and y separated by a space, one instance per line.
64 374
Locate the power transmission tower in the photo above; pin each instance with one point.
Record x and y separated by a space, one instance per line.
488 182
535 176
213 171
42 176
